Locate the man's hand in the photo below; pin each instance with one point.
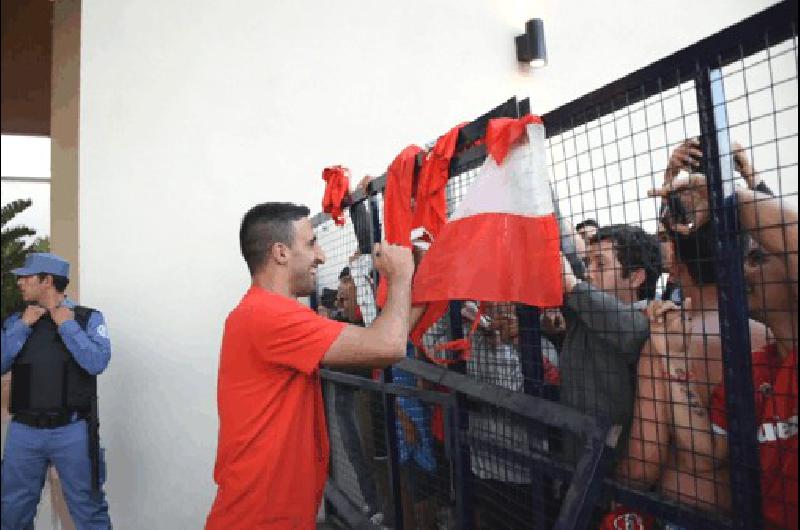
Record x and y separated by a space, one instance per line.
686 156
393 261
61 314
32 314
743 166
568 276
507 326
693 194
364 183
553 322
670 327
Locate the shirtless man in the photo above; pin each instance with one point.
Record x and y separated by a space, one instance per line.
770 270
672 443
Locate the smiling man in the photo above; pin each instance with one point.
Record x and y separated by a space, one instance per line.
272 457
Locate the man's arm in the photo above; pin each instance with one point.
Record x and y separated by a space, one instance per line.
91 348
15 333
16 330
615 323
648 447
384 342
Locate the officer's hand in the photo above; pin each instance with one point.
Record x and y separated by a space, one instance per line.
61 314
393 261
33 313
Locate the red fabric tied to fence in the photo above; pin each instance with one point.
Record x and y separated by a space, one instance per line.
337 186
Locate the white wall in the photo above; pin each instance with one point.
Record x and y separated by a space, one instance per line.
192 111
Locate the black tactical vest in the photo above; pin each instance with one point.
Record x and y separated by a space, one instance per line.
45 376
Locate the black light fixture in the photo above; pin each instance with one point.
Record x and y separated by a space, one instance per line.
530 45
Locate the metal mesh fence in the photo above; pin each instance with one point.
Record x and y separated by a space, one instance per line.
679 322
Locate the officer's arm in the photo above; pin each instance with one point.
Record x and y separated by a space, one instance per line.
91 348
15 333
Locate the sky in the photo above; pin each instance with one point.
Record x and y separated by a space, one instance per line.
27 156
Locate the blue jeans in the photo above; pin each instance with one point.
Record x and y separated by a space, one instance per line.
28 453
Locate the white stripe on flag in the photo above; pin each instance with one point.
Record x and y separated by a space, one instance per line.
519 186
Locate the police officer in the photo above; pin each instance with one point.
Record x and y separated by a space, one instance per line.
54 349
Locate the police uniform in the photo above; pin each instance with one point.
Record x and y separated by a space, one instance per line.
54 406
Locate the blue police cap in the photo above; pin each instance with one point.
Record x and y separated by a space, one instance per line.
43 262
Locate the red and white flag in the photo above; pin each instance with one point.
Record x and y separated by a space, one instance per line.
502 243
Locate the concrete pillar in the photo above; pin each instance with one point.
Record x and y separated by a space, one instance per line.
65 135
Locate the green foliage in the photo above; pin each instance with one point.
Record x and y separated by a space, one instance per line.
14 249
41 244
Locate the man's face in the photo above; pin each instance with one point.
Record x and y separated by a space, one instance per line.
587 232
31 288
346 299
305 255
667 248
604 271
765 279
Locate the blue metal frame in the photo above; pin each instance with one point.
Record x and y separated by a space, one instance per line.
392 448
530 359
459 417
733 311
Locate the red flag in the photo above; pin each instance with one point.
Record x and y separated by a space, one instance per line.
502 244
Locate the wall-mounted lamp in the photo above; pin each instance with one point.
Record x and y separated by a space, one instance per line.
530 45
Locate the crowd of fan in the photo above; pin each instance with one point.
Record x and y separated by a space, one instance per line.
637 342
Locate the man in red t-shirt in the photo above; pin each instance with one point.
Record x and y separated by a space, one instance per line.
272 455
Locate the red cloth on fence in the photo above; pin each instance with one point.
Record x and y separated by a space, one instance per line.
502 243
501 133
397 211
430 210
337 186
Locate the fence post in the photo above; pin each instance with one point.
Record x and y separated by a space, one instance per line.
530 360
462 468
733 312
390 415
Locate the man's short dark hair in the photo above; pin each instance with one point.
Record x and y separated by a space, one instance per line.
59 282
696 251
265 225
634 249
345 273
586 223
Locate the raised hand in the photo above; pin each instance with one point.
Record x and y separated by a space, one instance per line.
32 314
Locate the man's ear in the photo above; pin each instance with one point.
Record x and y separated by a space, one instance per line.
638 277
280 253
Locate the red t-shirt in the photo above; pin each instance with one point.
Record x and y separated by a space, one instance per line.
775 384
272 456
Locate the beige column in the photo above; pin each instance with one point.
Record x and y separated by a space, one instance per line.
65 171
65 136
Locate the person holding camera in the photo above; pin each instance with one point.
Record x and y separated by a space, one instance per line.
54 349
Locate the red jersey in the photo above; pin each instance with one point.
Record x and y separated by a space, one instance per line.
775 384
272 454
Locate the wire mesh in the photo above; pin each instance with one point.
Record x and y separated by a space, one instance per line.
645 338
